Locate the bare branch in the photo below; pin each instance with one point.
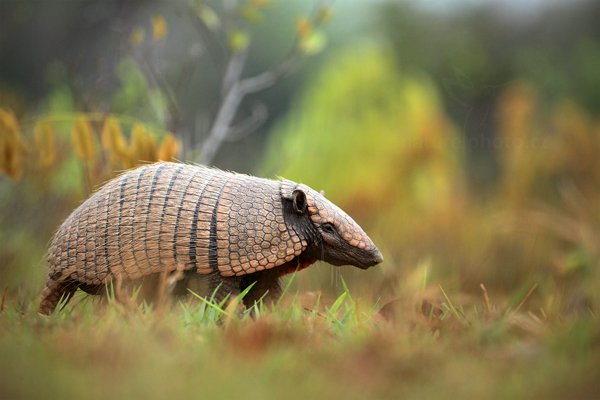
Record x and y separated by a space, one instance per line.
221 127
234 69
250 124
234 88
270 77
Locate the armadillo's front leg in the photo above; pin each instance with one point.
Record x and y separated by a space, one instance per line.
221 287
266 288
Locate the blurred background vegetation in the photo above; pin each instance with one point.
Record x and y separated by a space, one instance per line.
464 136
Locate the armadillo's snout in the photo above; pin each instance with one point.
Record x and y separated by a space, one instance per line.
377 257
364 258
371 259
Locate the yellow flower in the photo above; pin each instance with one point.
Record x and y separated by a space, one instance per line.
324 15
142 146
238 40
303 27
43 135
169 148
137 37
82 137
159 27
113 140
12 147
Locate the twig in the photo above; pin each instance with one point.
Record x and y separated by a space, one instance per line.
3 300
250 124
221 127
529 293
457 314
269 78
535 317
486 298
234 69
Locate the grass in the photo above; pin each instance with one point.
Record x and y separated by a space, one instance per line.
414 347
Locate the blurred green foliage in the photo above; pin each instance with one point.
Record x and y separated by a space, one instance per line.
378 143
464 141
359 127
136 97
473 53
382 146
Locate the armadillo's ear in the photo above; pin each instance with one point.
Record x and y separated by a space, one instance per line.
299 201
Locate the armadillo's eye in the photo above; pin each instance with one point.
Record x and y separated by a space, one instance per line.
328 227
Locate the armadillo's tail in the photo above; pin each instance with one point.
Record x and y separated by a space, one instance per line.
54 292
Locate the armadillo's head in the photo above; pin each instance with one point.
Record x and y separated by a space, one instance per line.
331 235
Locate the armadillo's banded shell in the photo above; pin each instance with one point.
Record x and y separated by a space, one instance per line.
166 216
251 231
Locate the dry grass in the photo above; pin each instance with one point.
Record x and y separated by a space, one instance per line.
431 344
422 325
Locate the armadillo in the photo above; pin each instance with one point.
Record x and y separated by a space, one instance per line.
236 229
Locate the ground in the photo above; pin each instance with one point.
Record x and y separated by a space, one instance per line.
304 347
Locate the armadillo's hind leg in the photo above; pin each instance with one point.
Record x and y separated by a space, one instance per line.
221 287
54 292
181 286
